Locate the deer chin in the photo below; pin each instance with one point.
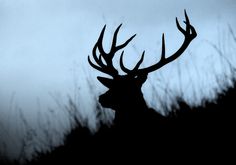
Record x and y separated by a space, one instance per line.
104 103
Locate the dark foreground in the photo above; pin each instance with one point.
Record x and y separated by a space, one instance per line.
198 133
203 132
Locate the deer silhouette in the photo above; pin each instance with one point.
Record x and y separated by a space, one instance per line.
124 95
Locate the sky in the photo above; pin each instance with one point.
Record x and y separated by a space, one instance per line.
43 59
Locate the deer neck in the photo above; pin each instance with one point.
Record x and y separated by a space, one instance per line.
132 112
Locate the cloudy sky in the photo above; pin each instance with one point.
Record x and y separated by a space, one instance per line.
44 47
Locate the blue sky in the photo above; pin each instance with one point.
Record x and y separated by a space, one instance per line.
44 47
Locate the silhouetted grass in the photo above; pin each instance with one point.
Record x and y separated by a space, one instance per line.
186 130
208 129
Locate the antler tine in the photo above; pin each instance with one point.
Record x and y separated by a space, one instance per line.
98 60
123 68
99 42
108 67
133 71
139 62
96 67
105 68
114 47
187 22
163 50
189 34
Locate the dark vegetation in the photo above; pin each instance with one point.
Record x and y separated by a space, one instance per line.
186 131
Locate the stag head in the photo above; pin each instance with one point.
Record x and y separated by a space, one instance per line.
124 94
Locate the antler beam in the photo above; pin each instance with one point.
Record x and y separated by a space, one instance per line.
189 34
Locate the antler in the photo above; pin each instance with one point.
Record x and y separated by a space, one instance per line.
107 67
189 34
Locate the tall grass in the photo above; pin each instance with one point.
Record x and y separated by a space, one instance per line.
33 145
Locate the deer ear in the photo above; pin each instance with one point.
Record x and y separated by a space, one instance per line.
105 81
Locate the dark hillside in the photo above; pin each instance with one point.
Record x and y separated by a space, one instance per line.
209 129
